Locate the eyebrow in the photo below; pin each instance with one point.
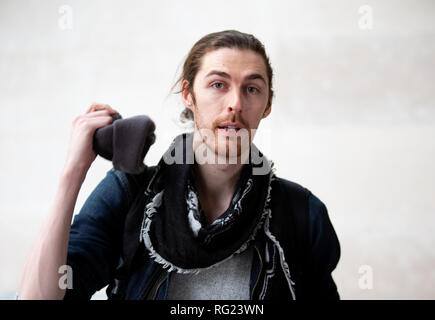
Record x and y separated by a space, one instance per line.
223 74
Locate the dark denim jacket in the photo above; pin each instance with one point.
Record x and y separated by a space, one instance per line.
95 245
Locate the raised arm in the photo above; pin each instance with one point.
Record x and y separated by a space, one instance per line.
40 275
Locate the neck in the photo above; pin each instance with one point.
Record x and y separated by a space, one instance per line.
216 181
216 184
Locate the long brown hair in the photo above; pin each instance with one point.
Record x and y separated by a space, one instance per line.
213 41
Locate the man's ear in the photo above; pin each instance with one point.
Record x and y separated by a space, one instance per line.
268 108
267 111
186 95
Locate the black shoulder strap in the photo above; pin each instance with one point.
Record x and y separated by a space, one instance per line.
136 188
289 224
134 219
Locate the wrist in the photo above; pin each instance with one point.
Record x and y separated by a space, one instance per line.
72 174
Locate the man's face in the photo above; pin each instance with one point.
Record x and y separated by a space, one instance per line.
231 87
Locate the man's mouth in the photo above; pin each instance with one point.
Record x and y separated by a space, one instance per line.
229 128
228 131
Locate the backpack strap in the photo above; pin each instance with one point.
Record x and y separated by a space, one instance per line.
137 185
290 207
133 221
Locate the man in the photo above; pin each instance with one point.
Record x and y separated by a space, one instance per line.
211 220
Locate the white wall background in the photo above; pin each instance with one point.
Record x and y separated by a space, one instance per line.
353 119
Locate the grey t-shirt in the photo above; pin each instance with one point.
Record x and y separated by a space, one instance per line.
226 281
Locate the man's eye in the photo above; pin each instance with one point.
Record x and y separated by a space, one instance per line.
220 84
252 90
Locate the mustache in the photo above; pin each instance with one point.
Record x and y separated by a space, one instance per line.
216 123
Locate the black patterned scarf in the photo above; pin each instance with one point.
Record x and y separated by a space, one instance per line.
174 229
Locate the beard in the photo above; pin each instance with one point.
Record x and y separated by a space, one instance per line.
219 146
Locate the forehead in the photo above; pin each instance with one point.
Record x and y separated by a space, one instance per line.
233 61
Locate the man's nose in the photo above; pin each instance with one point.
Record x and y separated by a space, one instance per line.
235 101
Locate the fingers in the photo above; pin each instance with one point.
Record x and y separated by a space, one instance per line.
100 106
99 113
98 122
89 124
93 120
96 116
